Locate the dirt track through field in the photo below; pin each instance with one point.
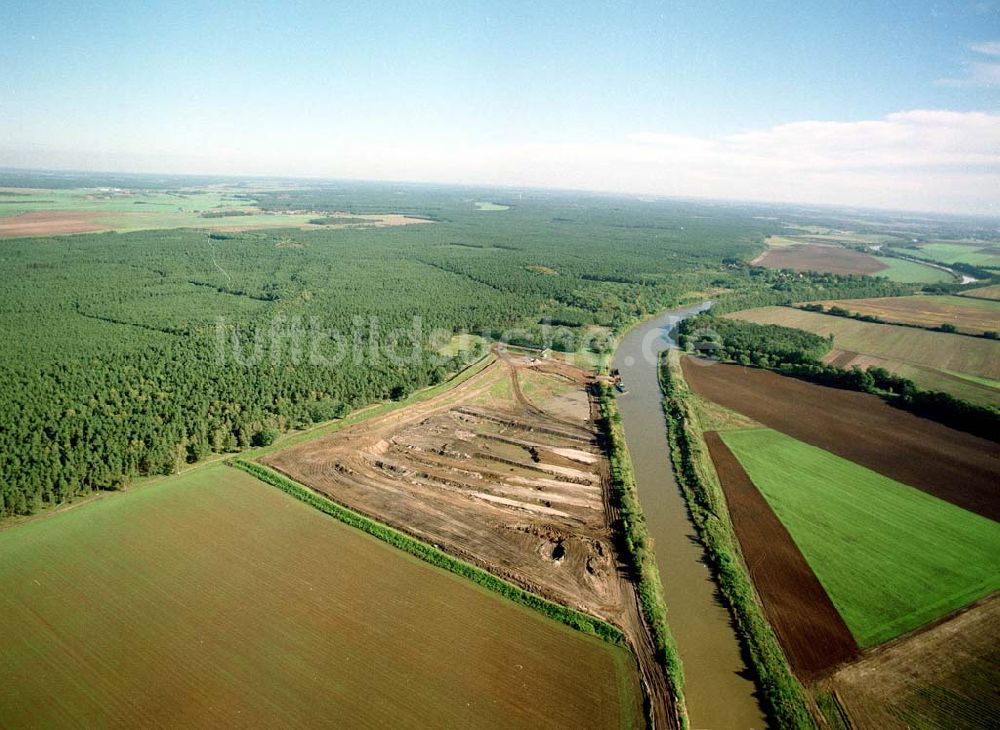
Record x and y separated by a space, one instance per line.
494 477
952 465
812 632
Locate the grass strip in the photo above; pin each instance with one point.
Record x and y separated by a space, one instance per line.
568 616
784 699
640 547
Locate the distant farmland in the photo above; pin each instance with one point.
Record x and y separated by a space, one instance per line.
33 213
896 269
891 557
212 599
976 253
966 367
973 316
985 292
788 253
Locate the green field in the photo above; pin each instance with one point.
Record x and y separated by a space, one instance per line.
154 209
891 557
962 366
976 254
909 271
211 599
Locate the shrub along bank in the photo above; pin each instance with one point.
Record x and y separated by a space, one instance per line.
639 545
783 697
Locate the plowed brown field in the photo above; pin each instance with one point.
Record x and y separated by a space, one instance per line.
952 465
54 222
816 257
812 632
967 314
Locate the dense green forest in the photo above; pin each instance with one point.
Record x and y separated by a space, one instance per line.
128 354
749 343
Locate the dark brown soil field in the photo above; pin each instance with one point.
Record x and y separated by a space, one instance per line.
812 632
505 471
815 257
944 677
952 465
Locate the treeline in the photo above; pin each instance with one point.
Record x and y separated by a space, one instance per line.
227 213
903 393
749 343
639 545
782 695
797 353
430 554
757 287
838 311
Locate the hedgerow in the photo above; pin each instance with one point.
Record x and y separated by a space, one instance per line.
428 553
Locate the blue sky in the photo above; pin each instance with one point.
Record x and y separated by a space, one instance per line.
647 97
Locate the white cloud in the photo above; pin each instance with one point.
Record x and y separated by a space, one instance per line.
919 160
929 160
989 48
985 73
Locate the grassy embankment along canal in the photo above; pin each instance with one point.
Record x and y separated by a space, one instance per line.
784 698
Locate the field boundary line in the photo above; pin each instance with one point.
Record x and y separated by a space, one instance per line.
430 554
783 695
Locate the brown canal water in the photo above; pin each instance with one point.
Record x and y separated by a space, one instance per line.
719 694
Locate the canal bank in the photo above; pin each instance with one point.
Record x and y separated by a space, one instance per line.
718 689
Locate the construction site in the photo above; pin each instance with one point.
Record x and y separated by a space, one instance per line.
507 471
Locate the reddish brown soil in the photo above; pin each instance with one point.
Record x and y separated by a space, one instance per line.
814 257
812 632
52 223
952 465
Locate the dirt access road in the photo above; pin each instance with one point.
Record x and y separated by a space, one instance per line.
507 471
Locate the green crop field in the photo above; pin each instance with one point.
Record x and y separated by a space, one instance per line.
910 271
211 599
976 254
891 557
933 360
